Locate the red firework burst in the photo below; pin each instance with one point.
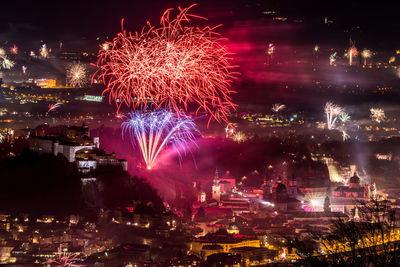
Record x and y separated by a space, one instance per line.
171 65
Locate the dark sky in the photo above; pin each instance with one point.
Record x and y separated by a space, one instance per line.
63 20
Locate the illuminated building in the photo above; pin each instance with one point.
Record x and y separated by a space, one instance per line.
345 198
280 197
67 143
46 83
90 159
226 241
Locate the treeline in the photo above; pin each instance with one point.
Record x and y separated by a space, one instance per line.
50 185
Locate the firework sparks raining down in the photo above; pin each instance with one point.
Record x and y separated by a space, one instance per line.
65 259
278 107
7 63
53 107
77 75
332 58
332 112
174 65
365 54
14 50
44 52
152 131
345 136
377 114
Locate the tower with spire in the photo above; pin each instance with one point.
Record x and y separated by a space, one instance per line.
216 189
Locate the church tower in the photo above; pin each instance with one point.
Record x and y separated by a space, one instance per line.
293 188
216 190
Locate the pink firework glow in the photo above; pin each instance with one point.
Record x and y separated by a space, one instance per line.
53 107
65 259
14 50
171 65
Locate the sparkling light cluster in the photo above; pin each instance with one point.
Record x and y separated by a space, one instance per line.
377 115
332 112
77 75
172 65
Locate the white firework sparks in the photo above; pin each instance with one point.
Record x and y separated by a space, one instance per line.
278 107
377 115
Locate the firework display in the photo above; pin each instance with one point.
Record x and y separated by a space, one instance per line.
239 137
53 107
44 52
14 50
153 130
172 65
365 54
345 136
344 117
65 259
77 75
332 112
377 115
352 53
278 107
2 52
24 68
7 63
332 58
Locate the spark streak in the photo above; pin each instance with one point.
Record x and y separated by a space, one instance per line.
153 130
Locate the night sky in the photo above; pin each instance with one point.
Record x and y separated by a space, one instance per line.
78 24
73 19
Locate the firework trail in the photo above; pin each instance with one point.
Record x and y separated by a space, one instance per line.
332 112
14 50
345 135
153 130
332 58
77 75
392 59
53 107
377 115
365 54
278 107
60 44
7 63
24 68
44 52
171 65
352 52
65 259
